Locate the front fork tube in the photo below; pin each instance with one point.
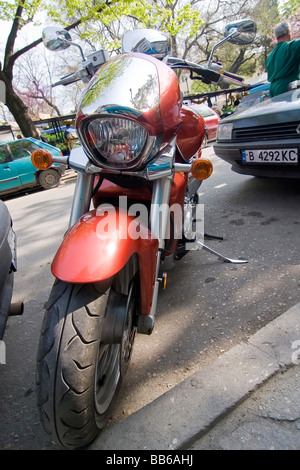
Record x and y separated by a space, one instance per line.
159 223
82 197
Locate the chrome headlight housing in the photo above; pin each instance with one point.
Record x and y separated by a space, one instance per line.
116 142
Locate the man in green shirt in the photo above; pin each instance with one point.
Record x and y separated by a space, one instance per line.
283 64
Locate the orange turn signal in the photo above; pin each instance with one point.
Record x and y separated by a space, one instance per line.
201 168
41 159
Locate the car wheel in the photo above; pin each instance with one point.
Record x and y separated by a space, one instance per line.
49 179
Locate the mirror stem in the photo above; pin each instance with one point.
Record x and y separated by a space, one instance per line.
218 45
79 47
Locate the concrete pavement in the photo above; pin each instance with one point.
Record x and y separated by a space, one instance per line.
248 398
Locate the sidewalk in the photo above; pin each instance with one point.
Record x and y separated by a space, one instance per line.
249 398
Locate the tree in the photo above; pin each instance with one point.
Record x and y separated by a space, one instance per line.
21 13
32 81
290 10
70 13
13 102
266 15
193 25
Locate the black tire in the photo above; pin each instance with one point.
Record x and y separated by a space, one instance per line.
49 179
78 377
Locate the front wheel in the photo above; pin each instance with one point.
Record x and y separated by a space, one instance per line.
81 361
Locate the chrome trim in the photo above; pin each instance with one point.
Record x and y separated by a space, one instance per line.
15 178
159 223
82 197
114 84
162 166
78 160
150 149
159 215
182 167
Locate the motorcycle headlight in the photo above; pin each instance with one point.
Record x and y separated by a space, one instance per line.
115 142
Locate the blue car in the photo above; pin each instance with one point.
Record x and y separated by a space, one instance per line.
16 170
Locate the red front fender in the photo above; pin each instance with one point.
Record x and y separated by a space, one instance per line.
99 245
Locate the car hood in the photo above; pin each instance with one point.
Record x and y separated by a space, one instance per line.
281 108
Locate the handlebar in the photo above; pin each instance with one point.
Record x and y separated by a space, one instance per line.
208 75
67 80
87 70
233 75
213 74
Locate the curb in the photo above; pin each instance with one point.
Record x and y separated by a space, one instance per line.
69 174
181 415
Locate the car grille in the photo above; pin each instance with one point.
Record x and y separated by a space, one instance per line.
282 131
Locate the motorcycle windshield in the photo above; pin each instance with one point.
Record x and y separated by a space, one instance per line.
137 87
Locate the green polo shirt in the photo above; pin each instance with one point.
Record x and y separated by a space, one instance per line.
283 66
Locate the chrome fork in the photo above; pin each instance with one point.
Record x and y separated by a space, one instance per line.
82 196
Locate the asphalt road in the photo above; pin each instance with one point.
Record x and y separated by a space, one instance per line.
208 306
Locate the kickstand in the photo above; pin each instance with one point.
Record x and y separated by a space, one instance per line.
207 236
223 258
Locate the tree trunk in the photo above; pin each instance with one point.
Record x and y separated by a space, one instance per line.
20 112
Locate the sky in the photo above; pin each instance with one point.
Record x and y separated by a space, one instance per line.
25 36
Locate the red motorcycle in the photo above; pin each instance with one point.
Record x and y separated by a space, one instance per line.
139 165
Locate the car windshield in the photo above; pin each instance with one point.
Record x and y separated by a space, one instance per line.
3 154
22 148
205 111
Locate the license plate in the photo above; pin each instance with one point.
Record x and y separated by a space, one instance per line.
288 156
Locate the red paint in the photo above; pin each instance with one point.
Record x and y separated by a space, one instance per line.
99 245
191 133
165 117
211 119
111 191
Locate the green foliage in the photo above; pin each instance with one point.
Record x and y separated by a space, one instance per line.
187 20
200 87
290 8
193 26
65 12
154 15
8 9
57 140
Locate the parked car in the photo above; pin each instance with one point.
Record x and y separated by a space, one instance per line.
263 139
8 256
211 119
16 170
258 92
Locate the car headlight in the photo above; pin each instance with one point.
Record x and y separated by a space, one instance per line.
225 131
115 142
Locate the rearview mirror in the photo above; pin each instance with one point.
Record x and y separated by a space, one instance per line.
56 38
240 32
